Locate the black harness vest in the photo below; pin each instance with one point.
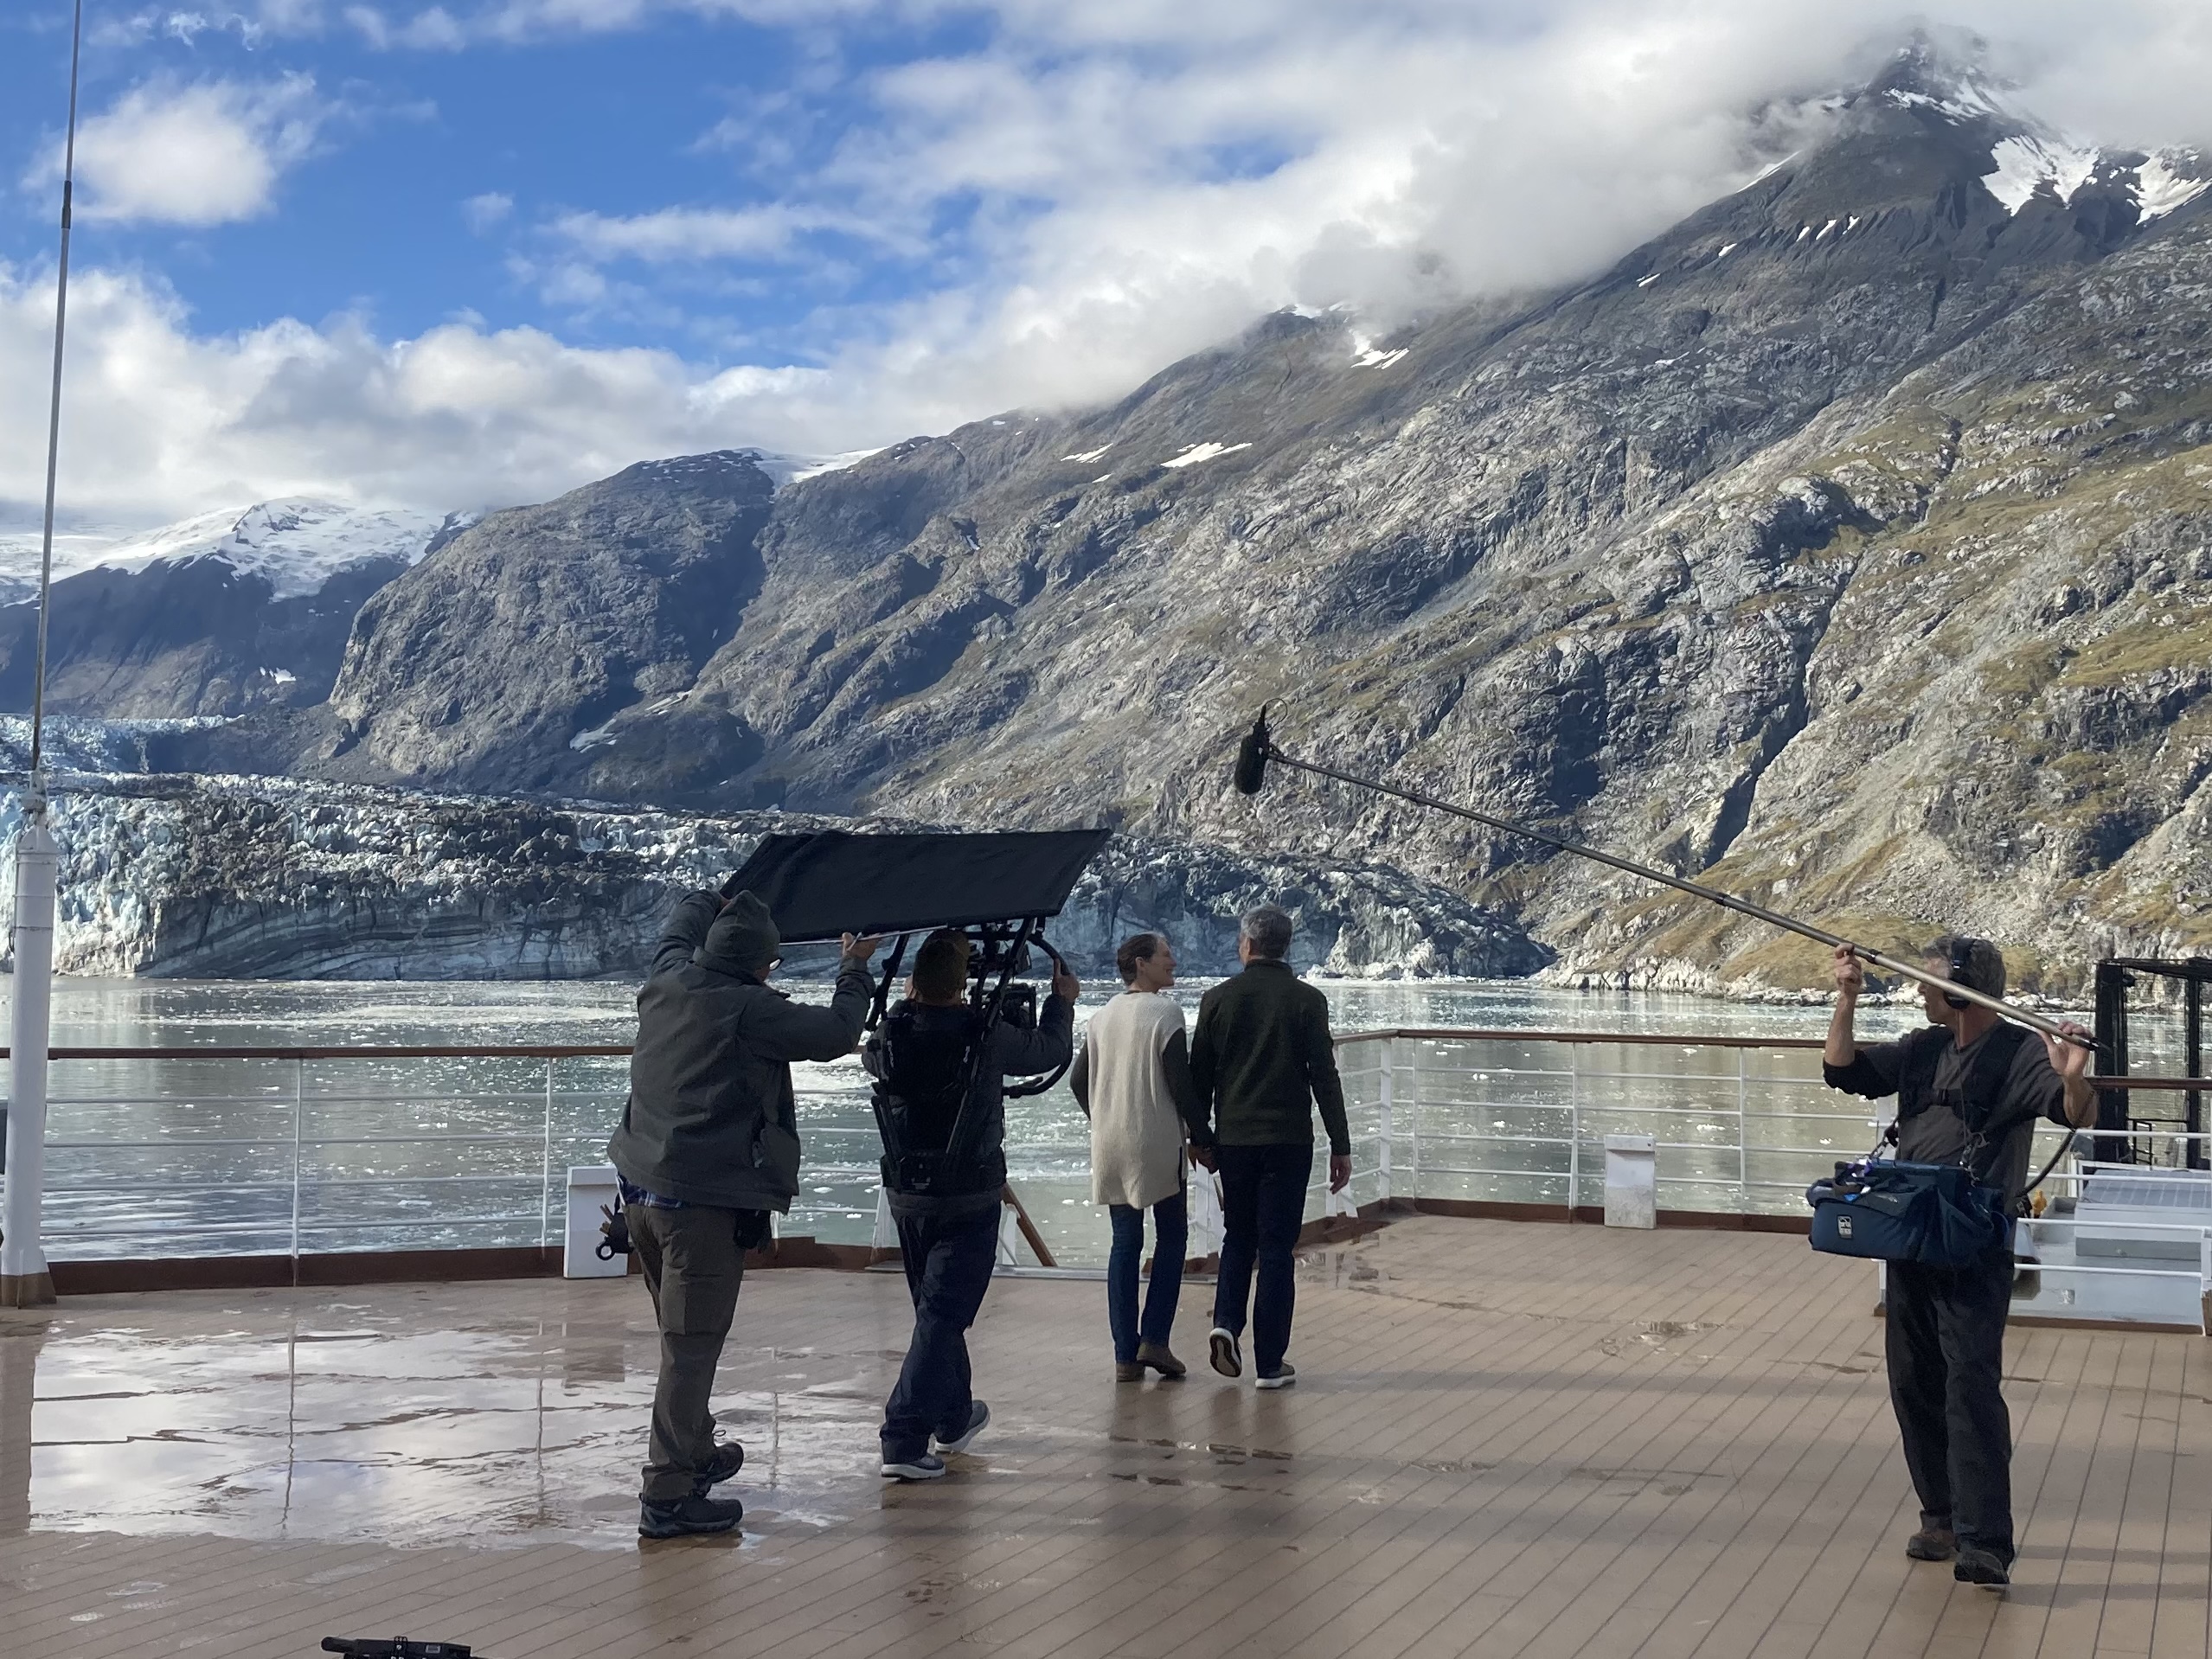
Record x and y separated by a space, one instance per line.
1982 1087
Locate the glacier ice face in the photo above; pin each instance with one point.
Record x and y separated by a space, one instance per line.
209 877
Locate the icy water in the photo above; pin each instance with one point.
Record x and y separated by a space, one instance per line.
193 1157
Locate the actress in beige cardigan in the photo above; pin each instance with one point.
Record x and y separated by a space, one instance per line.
1132 1080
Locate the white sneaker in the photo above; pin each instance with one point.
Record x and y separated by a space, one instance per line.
1223 1353
978 1420
1282 1377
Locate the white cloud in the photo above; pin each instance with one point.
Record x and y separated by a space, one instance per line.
198 153
1091 188
159 422
487 212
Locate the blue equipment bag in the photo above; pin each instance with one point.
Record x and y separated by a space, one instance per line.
1936 1215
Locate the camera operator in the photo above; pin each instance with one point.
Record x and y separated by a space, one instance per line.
708 1146
1969 1088
948 1217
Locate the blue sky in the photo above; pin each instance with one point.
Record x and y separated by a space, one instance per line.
464 254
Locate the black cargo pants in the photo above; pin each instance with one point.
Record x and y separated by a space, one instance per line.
693 1265
1946 1346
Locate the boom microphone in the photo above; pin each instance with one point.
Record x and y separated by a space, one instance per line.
1252 757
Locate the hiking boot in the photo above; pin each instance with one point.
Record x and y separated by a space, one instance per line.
1932 1544
1155 1354
1980 1567
1223 1355
728 1458
1128 1371
1281 1377
695 1517
921 1468
978 1419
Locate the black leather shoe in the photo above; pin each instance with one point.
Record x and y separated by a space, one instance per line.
1979 1566
728 1458
694 1516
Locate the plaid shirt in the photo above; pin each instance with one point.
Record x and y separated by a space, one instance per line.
637 1196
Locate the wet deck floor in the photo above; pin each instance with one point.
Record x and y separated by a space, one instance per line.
1507 1439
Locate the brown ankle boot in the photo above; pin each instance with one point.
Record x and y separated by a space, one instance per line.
1157 1356
1129 1372
1932 1544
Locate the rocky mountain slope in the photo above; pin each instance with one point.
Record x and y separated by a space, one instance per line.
1851 542
207 877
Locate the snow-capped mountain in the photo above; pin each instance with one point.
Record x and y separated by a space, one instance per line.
296 545
212 616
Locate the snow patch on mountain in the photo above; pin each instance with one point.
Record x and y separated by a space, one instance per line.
2169 180
2027 162
1207 452
296 545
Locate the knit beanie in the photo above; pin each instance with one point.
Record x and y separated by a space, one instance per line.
745 934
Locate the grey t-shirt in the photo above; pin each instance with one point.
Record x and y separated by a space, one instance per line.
2032 1090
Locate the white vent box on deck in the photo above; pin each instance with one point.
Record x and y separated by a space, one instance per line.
1632 1181
592 1191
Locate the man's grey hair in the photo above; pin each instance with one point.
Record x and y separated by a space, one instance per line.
1268 929
1980 963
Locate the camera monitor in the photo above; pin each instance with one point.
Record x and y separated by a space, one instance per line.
835 882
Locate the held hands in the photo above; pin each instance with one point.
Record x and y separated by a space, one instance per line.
1340 1171
1202 1157
1851 973
859 949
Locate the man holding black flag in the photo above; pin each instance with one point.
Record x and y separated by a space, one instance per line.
708 1146
1970 1089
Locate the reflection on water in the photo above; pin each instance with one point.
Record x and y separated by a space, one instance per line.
221 1157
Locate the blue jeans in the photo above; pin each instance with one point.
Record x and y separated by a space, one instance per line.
948 1262
1263 1205
1170 1243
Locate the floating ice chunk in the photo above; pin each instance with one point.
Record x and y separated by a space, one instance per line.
2025 163
1645 282
1207 451
1088 455
2160 188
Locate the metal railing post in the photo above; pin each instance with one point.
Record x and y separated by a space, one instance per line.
1383 1123
1743 1132
1414 1120
1574 1128
545 1167
298 1140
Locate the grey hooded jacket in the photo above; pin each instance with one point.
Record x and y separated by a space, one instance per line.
711 1117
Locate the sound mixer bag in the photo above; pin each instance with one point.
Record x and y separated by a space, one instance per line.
1936 1215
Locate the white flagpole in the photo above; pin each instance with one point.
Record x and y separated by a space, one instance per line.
24 1279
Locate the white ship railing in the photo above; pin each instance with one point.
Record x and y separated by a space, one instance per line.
305 1152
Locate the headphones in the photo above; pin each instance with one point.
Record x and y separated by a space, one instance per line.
1961 964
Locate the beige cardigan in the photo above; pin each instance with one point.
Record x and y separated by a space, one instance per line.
1137 1134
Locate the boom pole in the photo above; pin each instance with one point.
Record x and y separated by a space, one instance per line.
1259 751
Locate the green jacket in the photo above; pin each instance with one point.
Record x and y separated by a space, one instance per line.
1262 1060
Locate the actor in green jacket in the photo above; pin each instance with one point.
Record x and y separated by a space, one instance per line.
1263 1059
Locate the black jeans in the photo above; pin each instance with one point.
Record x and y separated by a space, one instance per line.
693 1265
948 1262
1170 1242
1946 1346
1263 1205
